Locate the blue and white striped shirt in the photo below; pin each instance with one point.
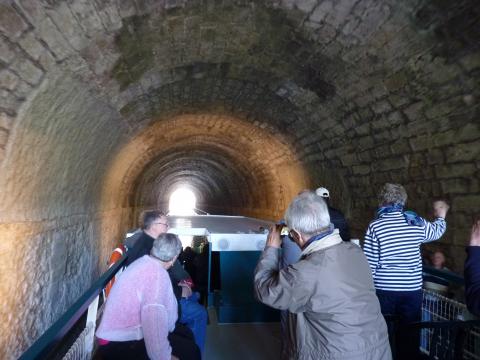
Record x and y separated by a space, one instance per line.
392 247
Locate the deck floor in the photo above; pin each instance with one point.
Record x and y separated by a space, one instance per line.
249 341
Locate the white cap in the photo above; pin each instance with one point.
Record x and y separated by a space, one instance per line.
323 192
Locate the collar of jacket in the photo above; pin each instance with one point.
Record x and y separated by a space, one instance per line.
329 240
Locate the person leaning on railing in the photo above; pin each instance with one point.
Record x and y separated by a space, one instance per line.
472 270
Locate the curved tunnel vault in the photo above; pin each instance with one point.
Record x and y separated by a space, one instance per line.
232 165
107 106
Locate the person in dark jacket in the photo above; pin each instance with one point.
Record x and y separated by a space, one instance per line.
336 216
472 270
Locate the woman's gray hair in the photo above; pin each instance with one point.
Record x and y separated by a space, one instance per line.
308 214
166 247
392 194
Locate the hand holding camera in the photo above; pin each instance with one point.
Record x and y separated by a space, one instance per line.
273 239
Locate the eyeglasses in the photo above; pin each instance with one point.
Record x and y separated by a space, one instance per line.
160 223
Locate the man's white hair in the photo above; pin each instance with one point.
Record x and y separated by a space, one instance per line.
308 214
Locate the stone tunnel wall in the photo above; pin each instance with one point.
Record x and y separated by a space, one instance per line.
347 94
55 235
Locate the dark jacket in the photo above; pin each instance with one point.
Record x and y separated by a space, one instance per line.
143 245
338 220
472 279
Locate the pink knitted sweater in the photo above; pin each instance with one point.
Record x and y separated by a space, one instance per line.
141 304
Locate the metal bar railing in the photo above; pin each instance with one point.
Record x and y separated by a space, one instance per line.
444 275
54 335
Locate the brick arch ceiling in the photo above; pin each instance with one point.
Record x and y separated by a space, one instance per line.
230 163
349 94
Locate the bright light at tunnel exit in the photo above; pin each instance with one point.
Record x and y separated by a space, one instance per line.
182 202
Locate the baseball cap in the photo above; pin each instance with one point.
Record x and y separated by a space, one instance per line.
323 192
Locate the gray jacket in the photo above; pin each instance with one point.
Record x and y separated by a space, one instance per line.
334 311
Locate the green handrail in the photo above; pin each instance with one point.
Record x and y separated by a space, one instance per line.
54 335
444 275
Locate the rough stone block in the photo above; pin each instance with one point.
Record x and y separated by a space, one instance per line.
398 162
361 169
6 121
468 203
471 61
398 101
382 151
455 170
87 16
9 102
422 142
31 45
321 11
396 81
22 90
69 26
349 159
469 132
435 156
463 152
6 52
395 118
401 146
8 79
11 23
363 129
456 186
381 107
306 5
27 71
325 33
442 109
365 142
3 137
444 138
414 111
49 33
108 13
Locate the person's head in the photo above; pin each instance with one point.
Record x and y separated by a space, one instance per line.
307 215
166 247
391 194
154 223
438 259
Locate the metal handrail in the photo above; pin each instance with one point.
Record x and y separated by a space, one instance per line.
54 335
444 275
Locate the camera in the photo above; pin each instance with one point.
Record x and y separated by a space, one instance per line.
282 229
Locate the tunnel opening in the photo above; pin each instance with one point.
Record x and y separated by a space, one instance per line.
182 202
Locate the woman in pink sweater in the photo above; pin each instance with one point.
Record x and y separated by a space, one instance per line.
141 309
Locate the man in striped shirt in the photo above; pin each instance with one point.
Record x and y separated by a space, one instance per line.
392 246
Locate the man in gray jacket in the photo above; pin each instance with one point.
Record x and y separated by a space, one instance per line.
334 312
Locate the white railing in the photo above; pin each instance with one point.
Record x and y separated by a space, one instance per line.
437 307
